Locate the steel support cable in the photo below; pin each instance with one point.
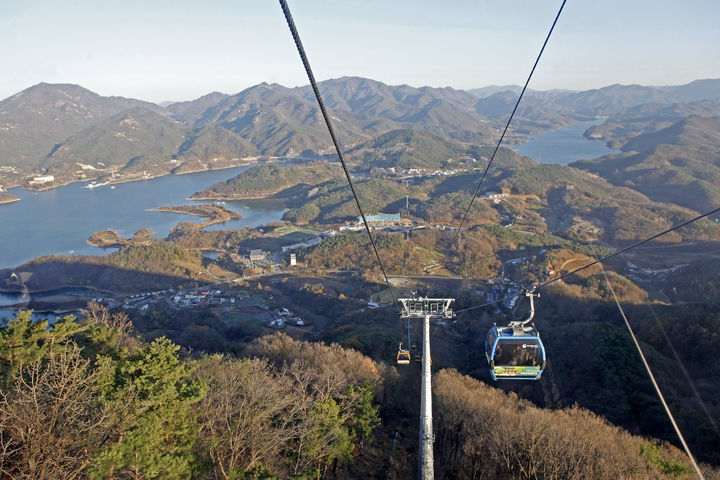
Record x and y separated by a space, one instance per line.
502 136
630 247
313 84
650 374
478 306
619 252
684 370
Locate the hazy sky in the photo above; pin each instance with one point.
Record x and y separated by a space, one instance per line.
162 50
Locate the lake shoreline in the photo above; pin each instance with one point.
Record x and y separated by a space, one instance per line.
129 180
214 214
564 145
61 221
235 198
7 198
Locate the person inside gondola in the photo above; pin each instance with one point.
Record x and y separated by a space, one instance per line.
516 355
529 358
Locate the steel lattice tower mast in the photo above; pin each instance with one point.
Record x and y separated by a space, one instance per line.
426 308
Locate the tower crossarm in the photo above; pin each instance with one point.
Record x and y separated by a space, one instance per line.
418 307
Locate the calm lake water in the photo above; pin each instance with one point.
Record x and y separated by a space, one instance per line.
564 145
8 299
59 221
6 315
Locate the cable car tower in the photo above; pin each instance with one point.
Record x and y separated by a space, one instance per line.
426 308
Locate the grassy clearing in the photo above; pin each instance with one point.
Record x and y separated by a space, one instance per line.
253 316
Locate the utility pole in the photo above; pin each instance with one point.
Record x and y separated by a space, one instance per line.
426 308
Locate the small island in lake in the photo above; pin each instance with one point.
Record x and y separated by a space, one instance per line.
212 213
7 198
112 239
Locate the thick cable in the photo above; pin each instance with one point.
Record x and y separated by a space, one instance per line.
479 306
684 370
502 136
650 374
313 83
630 247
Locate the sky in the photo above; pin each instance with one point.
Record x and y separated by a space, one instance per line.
175 50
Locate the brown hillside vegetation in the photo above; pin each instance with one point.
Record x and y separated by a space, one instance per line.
485 433
113 406
293 408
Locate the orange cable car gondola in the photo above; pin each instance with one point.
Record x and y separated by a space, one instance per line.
403 356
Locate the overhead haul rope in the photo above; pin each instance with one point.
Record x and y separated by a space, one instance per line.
630 247
502 136
684 370
649 371
478 306
313 83
619 252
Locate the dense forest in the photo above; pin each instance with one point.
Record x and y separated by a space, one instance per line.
266 180
87 398
159 264
571 203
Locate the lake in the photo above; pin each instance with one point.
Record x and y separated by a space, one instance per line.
59 221
6 315
564 145
8 299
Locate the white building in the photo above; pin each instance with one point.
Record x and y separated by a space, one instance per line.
43 179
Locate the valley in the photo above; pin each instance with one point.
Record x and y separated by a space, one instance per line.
271 257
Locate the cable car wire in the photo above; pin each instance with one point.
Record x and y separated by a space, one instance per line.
479 306
313 83
684 371
619 252
502 136
630 247
649 371
326 117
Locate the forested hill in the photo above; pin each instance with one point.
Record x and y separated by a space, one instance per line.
39 117
692 132
113 405
63 129
405 149
267 180
648 117
445 175
679 164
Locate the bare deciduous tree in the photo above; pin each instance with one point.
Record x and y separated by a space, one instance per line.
50 419
485 433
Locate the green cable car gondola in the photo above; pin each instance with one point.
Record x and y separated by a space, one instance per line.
515 352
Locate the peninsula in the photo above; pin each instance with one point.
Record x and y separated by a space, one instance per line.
7 198
211 213
112 239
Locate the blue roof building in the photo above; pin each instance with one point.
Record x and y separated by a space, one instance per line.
381 217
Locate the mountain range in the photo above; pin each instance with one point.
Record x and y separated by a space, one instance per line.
678 164
74 134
